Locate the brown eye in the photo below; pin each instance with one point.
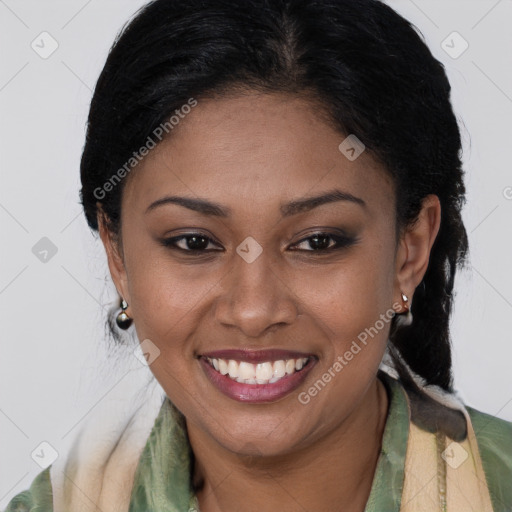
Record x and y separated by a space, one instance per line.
323 242
190 242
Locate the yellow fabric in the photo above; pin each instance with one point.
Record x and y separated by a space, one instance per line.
444 475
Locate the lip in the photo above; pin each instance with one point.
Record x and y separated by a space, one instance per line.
256 393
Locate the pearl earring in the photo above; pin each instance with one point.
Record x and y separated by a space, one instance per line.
123 320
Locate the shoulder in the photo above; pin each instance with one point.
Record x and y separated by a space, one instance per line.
493 434
99 462
435 410
37 497
494 438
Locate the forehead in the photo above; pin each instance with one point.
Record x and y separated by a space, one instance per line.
255 149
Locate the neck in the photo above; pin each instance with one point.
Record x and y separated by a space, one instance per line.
334 473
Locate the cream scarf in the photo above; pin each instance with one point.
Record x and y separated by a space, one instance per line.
98 473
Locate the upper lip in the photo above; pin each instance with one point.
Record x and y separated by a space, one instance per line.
256 356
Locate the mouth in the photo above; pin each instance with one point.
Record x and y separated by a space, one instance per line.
257 376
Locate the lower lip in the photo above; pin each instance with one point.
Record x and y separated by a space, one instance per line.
256 393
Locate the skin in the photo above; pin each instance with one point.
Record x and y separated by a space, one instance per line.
251 153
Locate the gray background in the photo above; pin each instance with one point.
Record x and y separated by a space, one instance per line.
54 369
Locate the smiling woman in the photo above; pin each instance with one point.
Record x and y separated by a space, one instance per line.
287 252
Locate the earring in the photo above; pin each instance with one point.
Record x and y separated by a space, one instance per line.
405 300
405 319
123 320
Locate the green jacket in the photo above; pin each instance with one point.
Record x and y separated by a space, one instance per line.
162 478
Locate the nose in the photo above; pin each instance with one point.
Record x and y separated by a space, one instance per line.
255 298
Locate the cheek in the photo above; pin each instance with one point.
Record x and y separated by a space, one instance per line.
166 296
352 304
166 308
351 293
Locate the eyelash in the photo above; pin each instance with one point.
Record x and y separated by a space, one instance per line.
342 241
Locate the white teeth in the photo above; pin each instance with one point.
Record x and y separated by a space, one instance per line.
233 369
279 369
264 372
223 366
246 371
260 373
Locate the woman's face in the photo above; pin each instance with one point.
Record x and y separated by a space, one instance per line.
259 279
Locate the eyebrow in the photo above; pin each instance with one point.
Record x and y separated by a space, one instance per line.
295 207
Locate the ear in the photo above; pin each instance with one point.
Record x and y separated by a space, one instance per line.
115 257
414 248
